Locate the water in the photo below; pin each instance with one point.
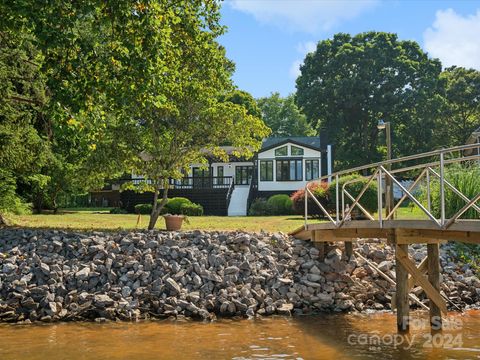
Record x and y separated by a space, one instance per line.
314 337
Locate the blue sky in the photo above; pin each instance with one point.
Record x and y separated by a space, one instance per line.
268 39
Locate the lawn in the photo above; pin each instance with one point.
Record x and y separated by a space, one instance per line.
101 220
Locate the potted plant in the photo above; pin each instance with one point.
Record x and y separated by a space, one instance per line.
174 222
177 210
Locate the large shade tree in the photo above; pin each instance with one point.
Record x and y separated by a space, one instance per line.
23 148
194 110
460 110
282 115
127 80
350 82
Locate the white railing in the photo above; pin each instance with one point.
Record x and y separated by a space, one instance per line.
431 168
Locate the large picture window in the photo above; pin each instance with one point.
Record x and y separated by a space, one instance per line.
266 170
282 151
311 169
289 170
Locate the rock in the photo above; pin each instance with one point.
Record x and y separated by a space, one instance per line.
9 268
83 274
103 300
142 274
173 285
126 291
231 270
45 268
385 265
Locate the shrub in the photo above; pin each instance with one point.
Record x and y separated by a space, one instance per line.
259 207
120 210
369 199
192 209
174 205
280 204
143 208
321 193
466 179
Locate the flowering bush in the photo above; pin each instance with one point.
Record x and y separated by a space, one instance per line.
321 193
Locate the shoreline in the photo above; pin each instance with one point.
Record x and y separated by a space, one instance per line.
64 276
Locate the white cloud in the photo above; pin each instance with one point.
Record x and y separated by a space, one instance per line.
306 47
295 69
309 16
303 48
454 39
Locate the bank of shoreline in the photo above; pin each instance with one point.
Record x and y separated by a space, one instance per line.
53 275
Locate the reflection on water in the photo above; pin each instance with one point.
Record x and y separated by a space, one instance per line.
314 337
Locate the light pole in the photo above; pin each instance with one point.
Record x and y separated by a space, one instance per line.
389 203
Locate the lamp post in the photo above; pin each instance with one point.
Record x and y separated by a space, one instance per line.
389 203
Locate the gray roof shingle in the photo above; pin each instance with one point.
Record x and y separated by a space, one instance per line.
308 141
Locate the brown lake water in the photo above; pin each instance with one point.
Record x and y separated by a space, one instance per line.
313 337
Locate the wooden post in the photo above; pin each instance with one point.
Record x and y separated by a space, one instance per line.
320 245
348 249
434 279
401 277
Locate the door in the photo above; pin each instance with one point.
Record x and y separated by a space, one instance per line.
243 175
202 178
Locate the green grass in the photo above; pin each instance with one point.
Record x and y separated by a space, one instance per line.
89 220
100 219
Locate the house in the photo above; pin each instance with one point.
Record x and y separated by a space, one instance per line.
281 166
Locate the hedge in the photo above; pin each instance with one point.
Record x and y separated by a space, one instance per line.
192 209
280 204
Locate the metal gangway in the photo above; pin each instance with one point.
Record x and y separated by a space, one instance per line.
435 224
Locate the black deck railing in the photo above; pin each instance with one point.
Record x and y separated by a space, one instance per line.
202 182
195 182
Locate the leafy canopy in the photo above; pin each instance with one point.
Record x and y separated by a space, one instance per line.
350 82
283 116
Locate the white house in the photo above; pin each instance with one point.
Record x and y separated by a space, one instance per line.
282 166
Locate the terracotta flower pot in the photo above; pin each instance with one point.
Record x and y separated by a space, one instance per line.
173 222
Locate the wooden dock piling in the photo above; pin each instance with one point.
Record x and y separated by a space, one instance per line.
433 260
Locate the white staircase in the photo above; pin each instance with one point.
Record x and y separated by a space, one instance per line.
238 201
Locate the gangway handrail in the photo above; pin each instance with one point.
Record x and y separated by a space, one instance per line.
382 171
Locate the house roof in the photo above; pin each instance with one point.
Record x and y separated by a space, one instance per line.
312 142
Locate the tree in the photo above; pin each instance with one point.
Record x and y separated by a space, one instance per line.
131 85
244 99
188 108
460 114
23 148
283 116
350 82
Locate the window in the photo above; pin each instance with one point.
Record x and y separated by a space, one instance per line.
243 175
289 170
281 151
311 169
296 151
220 175
266 170
202 177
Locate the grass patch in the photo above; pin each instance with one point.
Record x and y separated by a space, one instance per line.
91 220
100 219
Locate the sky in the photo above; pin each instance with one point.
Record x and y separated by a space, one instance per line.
268 39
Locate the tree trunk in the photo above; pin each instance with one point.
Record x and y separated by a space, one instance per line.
55 206
157 207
